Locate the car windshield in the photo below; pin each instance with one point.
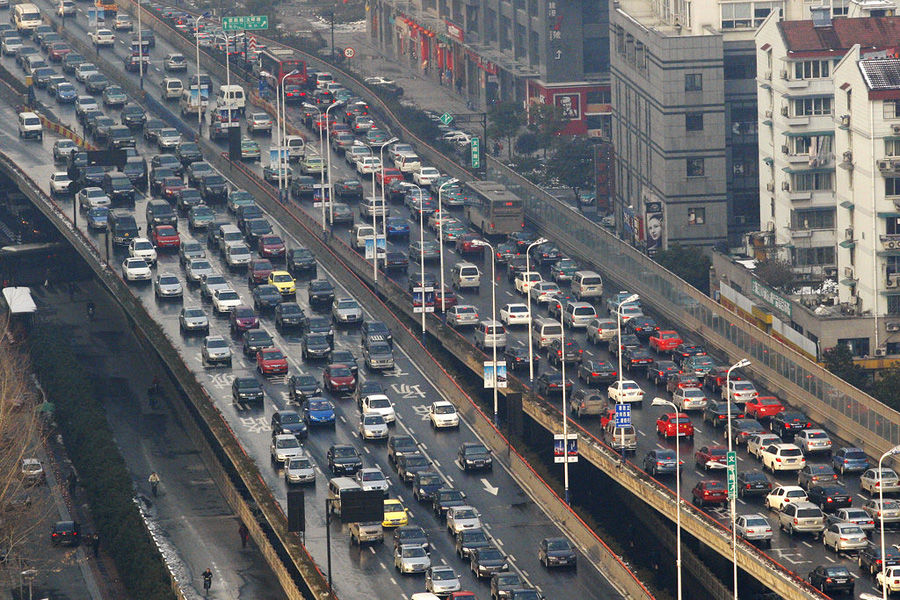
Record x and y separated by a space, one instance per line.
346 452
316 405
290 418
466 513
228 295
665 455
216 343
273 355
412 551
287 442
339 371
444 409
443 575
379 403
855 455
168 280
143 245
373 476
809 513
630 386
557 545
194 312
373 419
299 463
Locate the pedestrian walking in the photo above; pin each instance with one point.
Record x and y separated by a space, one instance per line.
95 544
244 533
154 483
207 580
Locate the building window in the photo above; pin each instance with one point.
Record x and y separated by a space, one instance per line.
819 218
858 346
695 167
744 15
693 82
693 121
813 181
892 226
892 147
806 257
812 69
839 8
620 40
742 66
891 109
696 215
892 186
640 56
804 107
893 305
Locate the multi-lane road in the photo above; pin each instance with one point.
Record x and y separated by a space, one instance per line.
512 519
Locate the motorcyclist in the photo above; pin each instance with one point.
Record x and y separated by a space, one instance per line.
154 482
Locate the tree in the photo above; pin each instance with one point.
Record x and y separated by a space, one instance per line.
776 273
839 360
505 119
573 163
887 388
689 263
527 143
546 121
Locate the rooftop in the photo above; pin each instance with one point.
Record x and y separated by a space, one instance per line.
841 34
881 74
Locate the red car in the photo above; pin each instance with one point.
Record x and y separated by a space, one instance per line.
709 492
763 407
388 177
259 271
449 298
462 596
243 318
711 457
679 381
338 378
671 424
271 246
165 237
664 341
465 244
270 361
170 187
58 51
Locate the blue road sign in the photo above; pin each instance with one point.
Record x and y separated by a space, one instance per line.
623 414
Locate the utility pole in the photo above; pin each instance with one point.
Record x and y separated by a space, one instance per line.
332 37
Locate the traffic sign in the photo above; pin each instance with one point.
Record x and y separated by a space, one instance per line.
245 22
446 118
252 43
731 466
475 145
349 52
623 414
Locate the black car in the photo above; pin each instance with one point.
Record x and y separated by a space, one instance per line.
684 351
343 459
594 372
486 561
187 153
246 389
135 168
187 198
629 340
375 331
829 497
397 445
300 261
266 297
470 540
315 345
642 326
303 387
634 359
446 498
411 535
425 485
551 383
213 188
544 255
255 229
474 455
256 340
133 116
753 483
91 175
396 190
65 533
659 370
869 558
787 423
157 176
321 294
195 172
411 463
289 315
716 412
556 354
832 578
516 358
348 189
515 264
321 325
556 552
118 187
152 128
394 260
288 421
302 186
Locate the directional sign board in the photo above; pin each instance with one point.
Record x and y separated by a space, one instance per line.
623 414
475 146
731 466
446 118
246 22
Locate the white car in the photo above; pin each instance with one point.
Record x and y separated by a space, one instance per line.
443 415
368 165
85 70
630 391
740 391
224 300
381 404
782 457
92 197
11 45
813 440
462 517
841 537
426 175
526 279
889 578
168 138
372 478
215 350
441 581
66 8
136 269
758 441
372 427
785 494
141 247
690 399
870 481
197 268
514 314
102 37
299 469
59 183
259 121
754 528
284 447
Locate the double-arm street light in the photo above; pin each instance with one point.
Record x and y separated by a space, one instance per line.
664 402
728 401
441 238
537 242
375 203
493 330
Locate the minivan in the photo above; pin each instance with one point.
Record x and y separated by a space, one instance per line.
160 212
296 147
490 334
620 438
465 275
30 126
359 234
231 96
122 226
172 88
587 284
578 314
337 486
26 17
545 331
228 233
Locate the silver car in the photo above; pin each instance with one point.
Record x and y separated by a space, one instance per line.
889 511
167 285
462 517
754 528
168 138
690 399
210 283
841 537
299 469
372 478
346 310
441 581
801 517
889 482
215 350
411 559
856 516
197 268
378 356
193 319
285 447
462 315
372 427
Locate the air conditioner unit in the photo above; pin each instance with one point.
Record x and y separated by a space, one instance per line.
895 165
848 233
892 327
784 111
767 75
848 156
890 282
785 149
884 165
768 114
845 120
881 351
895 129
786 186
770 187
784 74
830 271
848 272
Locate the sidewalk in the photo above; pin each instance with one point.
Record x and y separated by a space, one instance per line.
190 520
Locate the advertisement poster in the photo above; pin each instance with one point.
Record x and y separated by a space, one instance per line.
654 227
489 375
562 448
570 105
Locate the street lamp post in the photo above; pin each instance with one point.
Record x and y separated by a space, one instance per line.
321 173
421 257
738 365
280 115
383 201
892 452
199 90
327 149
375 206
441 238
141 47
562 368
537 242
486 244
628 300
664 402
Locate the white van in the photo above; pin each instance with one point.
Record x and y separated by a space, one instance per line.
587 284
26 17
231 96
192 102
323 78
30 126
336 486
490 334
579 314
359 234
545 331
408 163
296 147
172 88
465 275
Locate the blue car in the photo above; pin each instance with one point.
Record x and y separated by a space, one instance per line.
97 218
849 459
397 227
66 93
318 411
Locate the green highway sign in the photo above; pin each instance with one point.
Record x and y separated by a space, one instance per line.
475 146
446 118
731 465
242 23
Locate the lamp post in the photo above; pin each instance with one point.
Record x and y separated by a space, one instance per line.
375 206
892 452
664 402
322 173
327 149
628 300
141 47
421 257
441 238
738 365
383 201
485 244
282 134
199 90
562 368
537 242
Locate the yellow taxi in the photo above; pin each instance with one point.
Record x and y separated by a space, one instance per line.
284 282
395 514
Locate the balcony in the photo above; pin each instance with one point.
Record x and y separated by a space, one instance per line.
890 242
